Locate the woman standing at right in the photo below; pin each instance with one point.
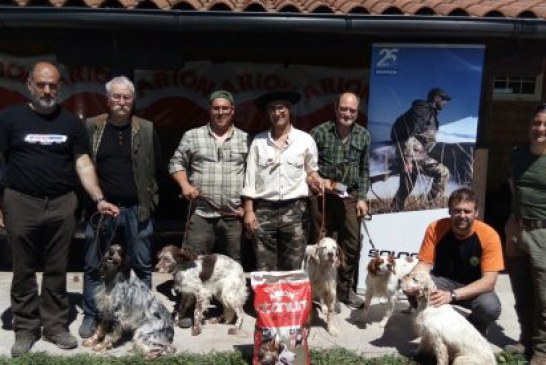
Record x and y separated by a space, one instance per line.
526 239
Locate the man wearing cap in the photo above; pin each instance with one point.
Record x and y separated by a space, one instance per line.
209 166
280 162
343 163
414 135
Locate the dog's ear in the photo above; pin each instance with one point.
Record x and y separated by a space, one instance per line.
315 256
392 262
187 254
341 260
372 265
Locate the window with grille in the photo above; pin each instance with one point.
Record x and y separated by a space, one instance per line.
525 88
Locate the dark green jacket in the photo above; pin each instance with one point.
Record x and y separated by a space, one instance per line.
144 143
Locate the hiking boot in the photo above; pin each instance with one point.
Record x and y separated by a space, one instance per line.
353 300
538 360
88 326
22 344
63 340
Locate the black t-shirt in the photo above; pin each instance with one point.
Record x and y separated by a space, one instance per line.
40 150
458 259
115 165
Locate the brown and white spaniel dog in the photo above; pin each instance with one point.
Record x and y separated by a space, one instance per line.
383 280
205 277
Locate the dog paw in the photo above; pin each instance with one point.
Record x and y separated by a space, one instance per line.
153 354
333 331
213 320
233 331
90 342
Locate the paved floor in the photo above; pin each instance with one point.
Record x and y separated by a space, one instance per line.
397 337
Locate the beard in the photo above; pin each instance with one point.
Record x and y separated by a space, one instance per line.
44 105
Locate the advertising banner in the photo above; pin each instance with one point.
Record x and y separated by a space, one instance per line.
423 116
179 99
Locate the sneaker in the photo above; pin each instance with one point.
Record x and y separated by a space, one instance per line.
353 301
185 322
22 345
63 340
88 326
516 348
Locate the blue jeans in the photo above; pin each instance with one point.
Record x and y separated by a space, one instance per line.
136 238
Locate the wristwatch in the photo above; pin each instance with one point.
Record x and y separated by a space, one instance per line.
98 200
453 296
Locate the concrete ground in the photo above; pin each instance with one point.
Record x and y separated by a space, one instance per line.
397 337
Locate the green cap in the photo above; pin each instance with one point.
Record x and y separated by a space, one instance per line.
221 94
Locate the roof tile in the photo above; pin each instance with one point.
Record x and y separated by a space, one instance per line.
478 8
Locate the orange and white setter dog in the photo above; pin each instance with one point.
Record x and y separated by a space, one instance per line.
321 263
444 331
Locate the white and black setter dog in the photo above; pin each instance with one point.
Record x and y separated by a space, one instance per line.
205 277
126 304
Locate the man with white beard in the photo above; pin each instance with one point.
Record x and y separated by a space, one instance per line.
46 150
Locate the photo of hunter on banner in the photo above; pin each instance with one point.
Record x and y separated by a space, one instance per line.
423 118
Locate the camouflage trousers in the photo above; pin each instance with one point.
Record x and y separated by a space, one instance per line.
281 234
428 167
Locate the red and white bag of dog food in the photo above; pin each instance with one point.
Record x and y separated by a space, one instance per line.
283 303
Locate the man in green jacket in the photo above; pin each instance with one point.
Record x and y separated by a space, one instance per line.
126 153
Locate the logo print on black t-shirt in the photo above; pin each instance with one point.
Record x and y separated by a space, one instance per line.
45 139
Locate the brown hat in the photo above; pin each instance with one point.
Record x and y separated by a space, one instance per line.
280 95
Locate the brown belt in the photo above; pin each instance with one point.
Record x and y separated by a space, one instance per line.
531 223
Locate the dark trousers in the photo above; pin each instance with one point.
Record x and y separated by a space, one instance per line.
134 236
215 235
341 223
39 231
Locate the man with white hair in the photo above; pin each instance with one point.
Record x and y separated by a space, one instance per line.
125 149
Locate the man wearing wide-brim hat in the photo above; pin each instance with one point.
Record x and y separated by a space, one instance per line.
280 162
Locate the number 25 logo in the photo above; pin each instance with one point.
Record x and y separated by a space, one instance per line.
388 57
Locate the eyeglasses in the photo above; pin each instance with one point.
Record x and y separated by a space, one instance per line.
222 108
346 109
277 108
118 97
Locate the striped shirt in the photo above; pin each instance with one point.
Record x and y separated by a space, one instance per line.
217 170
344 161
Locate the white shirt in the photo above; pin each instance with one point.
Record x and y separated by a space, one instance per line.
280 174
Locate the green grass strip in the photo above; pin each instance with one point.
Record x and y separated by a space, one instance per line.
335 356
